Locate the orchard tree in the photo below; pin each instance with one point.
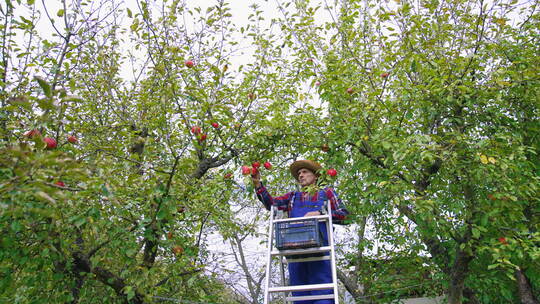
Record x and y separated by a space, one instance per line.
110 182
433 109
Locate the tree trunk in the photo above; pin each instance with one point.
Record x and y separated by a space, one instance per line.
458 274
524 288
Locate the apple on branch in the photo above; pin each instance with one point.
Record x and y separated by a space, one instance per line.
246 170
72 139
50 142
32 133
331 172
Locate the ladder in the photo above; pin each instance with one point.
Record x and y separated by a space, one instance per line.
282 254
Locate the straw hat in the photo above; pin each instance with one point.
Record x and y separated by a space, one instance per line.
307 164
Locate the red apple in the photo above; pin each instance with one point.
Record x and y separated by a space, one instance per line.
385 74
502 240
60 183
268 165
32 133
227 176
72 139
202 137
189 63
215 125
251 96
51 143
246 170
256 165
350 90
254 171
331 172
196 130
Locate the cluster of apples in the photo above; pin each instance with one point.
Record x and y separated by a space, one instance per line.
197 131
50 144
246 170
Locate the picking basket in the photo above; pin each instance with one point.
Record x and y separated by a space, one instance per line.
302 233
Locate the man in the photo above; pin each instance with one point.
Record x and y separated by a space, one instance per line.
300 204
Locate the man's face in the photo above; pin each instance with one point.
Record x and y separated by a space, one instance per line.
306 177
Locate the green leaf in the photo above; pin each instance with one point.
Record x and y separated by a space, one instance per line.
60 13
129 13
45 86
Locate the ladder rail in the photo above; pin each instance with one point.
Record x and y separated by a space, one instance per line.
269 255
330 232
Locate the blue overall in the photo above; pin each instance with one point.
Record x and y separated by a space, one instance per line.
316 272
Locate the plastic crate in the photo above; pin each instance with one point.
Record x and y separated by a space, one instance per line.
302 233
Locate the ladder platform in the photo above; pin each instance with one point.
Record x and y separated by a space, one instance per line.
310 259
307 298
301 251
292 219
301 287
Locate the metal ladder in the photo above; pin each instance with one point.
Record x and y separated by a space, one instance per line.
281 254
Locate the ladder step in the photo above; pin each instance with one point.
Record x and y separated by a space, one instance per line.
292 219
301 251
306 298
301 287
310 259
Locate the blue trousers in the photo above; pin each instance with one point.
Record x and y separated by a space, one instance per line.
317 272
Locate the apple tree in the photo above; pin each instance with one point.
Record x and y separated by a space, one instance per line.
433 118
111 182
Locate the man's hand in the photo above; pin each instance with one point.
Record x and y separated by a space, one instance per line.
312 213
256 179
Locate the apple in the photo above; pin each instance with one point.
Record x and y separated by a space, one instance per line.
268 165
32 133
385 74
196 130
309 60
51 143
181 209
331 172
317 83
491 197
227 176
251 96
246 170
202 137
178 250
215 125
72 139
502 240
325 148
189 63
60 183
254 171
256 165
350 90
